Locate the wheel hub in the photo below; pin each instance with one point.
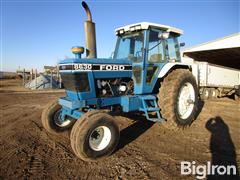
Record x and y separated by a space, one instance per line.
100 138
58 120
186 100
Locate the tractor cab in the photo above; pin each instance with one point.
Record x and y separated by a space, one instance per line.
148 47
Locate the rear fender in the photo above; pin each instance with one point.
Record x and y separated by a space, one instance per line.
170 66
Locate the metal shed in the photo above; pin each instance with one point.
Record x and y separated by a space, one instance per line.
224 51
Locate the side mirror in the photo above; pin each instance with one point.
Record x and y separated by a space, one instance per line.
163 35
182 44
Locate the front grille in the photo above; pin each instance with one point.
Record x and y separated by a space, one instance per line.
76 82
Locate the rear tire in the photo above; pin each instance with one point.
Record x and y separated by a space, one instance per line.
95 135
213 93
205 94
178 99
51 121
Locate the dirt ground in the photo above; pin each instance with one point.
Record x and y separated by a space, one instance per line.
146 150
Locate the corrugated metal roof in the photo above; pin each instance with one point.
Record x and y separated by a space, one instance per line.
224 51
231 41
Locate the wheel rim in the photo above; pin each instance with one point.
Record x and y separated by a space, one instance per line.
186 100
214 94
206 93
58 121
100 138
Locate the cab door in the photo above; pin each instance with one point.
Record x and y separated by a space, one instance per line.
155 53
155 59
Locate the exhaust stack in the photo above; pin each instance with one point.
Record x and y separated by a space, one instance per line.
90 34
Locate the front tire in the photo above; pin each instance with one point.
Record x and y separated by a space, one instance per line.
178 98
94 136
51 119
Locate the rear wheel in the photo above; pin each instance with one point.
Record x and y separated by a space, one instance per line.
51 119
213 93
205 94
94 136
178 98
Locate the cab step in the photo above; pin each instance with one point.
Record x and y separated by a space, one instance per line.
149 105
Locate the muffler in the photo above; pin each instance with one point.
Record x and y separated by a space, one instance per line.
90 34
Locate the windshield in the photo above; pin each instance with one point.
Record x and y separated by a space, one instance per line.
130 46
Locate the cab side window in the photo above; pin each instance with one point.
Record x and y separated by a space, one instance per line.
155 48
173 49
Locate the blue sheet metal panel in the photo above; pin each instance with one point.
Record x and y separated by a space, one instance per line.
96 61
72 95
66 111
72 113
148 87
71 104
130 103
112 74
100 102
103 102
77 114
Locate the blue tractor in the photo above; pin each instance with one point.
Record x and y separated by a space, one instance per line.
145 75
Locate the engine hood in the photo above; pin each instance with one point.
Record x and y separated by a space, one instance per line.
96 61
99 67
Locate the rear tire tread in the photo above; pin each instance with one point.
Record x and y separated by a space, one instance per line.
167 94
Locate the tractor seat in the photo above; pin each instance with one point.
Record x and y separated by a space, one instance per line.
155 58
134 58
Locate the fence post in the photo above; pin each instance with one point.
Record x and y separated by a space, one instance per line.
35 78
59 78
24 77
31 74
60 82
51 79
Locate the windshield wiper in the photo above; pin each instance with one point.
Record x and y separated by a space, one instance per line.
154 46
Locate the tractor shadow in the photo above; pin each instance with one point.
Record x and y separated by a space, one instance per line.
140 125
222 148
133 131
199 108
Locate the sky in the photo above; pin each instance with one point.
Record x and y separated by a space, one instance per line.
35 33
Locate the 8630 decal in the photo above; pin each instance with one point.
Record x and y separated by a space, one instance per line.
82 66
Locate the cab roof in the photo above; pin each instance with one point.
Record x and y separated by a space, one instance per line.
147 25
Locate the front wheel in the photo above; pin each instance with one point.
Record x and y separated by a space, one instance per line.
178 98
95 135
51 119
